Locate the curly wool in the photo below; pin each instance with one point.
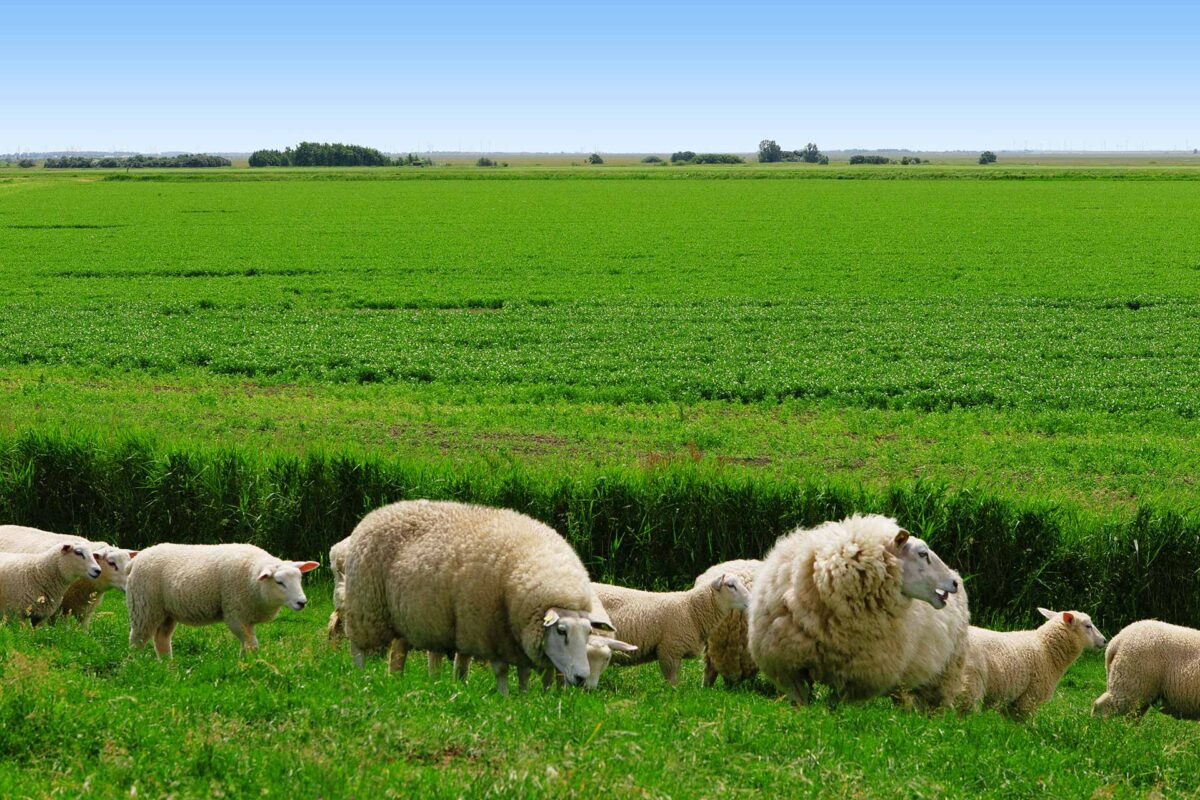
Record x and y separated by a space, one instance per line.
32 585
827 607
727 651
1152 662
450 577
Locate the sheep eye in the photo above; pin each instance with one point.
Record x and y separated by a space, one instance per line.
562 632
926 557
279 582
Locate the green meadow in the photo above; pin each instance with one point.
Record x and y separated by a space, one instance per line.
672 366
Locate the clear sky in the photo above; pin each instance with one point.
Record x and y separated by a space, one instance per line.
633 77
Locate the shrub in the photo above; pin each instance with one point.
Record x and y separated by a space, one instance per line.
484 161
595 158
717 158
682 156
26 163
269 158
987 157
859 158
652 160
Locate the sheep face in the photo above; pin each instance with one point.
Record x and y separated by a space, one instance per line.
925 576
115 564
599 653
732 594
78 561
1080 624
565 637
280 583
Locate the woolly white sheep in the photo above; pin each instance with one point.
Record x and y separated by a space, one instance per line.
84 595
861 606
671 626
32 585
1017 672
484 582
727 651
1152 662
238 584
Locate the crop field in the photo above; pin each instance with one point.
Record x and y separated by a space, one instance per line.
299 720
671 367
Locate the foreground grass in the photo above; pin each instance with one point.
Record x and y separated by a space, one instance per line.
80 714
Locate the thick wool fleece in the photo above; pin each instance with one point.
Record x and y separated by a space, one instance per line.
450 577
827 607
32 585
1152 662
82 597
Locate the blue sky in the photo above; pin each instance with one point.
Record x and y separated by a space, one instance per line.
634 77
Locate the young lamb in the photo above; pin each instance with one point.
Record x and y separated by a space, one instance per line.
85 594
487 583
727 651
1017 672
671 626
858 605
32 585
1152 662
238 584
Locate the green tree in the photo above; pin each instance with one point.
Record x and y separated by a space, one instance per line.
595 158
769 151
987 157
26 163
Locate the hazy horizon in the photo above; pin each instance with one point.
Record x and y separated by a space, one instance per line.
536 77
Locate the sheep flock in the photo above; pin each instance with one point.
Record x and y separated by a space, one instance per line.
859 606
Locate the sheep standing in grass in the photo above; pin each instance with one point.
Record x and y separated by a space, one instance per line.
671 626
32 585
1017 672
863 607
487 583
1152 662
727 651
337 562
85 594
238 584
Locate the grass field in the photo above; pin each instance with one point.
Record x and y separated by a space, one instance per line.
670 365
81 714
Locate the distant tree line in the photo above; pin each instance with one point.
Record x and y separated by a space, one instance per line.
137 162
336 154
769 152
688 157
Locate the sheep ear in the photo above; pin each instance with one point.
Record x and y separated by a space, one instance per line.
306 566
1045 612
901 538
66 548
624 647
267 572
550 618
133 553
1068 617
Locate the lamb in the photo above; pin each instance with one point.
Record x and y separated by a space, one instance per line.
32 585
671 626
727 652
1152 662
1017 672
483 582
835 605
85 594
238 584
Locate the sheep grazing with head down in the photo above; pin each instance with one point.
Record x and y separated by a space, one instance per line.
487 583
727 651
1152 662
202 584
85 594
862 607
1016 672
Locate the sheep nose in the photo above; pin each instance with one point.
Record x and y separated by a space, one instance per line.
301 603
954 586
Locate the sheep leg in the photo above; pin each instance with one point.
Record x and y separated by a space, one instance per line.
798 687
462 666
1108 704
244 634
397 655
548 676
670 670
523 678
710 672
162 639
434 663
357 655
500 670
336 629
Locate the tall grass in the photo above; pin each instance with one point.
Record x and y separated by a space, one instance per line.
655 527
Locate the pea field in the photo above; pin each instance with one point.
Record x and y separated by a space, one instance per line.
670 366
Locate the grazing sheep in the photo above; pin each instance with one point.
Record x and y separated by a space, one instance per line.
483 582
1017 672
85 594
32 585
1152 662
727 651
238 584
836 605
671 626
